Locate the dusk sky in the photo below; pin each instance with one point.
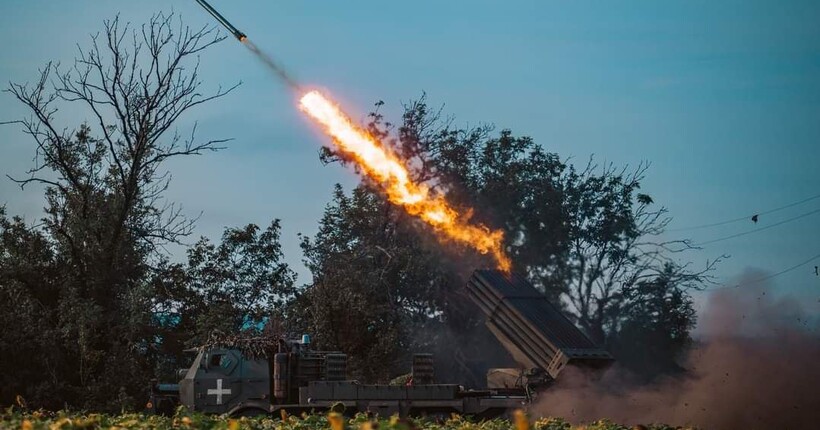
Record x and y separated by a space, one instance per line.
722 98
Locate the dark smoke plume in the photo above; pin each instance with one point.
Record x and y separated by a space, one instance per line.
275 67
755 365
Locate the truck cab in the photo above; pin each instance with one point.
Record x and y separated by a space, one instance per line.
225 380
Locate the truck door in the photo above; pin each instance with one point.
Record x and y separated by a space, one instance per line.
222 380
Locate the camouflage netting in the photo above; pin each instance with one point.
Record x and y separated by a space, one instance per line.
251 346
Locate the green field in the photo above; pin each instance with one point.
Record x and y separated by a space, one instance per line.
15 419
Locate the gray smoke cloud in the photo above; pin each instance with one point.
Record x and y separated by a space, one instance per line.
755 365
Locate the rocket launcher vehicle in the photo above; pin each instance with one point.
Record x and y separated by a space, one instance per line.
257 375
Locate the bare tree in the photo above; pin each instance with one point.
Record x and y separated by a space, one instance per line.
135 83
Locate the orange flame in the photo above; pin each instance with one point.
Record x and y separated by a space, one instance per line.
389 171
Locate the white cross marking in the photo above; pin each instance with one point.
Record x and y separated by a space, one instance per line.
218 392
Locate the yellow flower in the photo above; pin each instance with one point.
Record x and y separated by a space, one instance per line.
284 414
336 421
233 425
186 421
26 425
60 423
87 422
521 420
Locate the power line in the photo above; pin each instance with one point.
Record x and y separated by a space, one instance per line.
720 239
767 277
747 217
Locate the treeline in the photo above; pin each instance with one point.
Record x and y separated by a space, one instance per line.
92 307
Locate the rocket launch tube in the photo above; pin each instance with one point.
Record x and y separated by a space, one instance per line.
238 34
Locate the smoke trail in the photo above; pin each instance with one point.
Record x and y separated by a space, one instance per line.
275 67
755 367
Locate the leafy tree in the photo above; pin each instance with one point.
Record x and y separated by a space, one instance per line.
84 287
244 272
238 285
657 316
372 281
29 299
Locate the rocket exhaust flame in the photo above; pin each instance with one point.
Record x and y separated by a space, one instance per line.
382 166
389 172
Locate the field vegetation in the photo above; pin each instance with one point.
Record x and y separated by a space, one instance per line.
40 420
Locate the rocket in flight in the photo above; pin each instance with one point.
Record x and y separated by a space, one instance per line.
238 34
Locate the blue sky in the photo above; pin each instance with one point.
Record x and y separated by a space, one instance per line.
723 98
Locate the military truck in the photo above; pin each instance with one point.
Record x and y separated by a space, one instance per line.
252 377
